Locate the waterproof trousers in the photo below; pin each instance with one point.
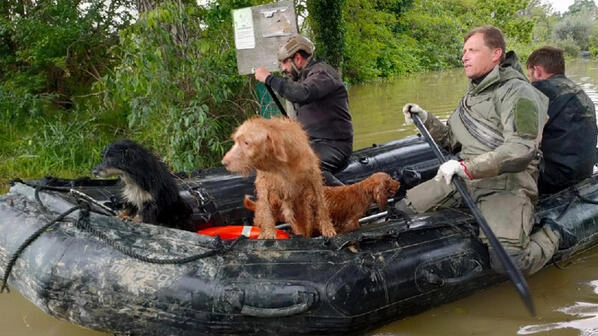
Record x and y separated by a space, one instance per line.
510 215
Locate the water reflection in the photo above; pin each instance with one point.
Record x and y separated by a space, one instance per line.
587 324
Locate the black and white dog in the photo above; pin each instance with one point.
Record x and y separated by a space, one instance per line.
150 191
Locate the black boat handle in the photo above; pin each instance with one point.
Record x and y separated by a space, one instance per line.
280 311
435 279
275 312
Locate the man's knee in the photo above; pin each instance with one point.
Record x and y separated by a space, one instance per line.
528 260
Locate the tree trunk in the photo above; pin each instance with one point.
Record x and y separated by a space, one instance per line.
146 5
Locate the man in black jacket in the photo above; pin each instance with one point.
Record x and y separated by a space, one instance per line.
569 136
320 100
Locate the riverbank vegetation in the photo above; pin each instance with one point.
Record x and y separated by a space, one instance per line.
76 75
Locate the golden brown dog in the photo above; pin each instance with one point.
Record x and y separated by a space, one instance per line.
288 182
347 204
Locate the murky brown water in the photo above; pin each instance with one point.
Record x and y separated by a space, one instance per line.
566 299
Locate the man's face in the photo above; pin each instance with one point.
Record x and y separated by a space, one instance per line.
286 67
478 59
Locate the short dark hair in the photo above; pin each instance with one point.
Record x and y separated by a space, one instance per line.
493 38
551 58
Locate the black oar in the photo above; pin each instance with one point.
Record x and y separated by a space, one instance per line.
282 110
513 272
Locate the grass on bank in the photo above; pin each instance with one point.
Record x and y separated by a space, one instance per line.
68 146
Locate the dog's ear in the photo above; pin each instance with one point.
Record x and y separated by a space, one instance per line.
381 191
380 195
278 149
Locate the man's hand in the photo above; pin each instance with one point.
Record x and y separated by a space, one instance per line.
414 108
261 74
450 168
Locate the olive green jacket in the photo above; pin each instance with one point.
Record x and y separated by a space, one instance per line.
505 114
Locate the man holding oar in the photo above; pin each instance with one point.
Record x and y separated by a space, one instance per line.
495 130
320 100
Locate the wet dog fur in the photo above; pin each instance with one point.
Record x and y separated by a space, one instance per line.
347 204
288 182
150 190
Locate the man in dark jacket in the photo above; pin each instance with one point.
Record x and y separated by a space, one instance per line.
320 100
569 136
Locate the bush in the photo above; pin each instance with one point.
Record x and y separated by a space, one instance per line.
177 84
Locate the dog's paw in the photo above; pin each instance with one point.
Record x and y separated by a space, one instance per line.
328 230
124 215
267 234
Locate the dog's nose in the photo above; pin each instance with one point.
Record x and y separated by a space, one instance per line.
225 161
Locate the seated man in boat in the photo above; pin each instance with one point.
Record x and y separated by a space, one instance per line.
569 137
496 130
321 102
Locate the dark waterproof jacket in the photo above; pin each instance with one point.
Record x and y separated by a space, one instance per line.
569 137
320 99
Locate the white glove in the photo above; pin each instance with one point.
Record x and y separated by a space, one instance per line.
414 108
450 168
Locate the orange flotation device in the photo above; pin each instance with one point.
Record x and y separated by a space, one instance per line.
229 232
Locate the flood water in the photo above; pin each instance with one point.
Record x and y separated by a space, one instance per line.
566 297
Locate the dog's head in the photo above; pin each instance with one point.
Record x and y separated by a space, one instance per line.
120 158
257 146
385 188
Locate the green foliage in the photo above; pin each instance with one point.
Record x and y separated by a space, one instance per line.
582 7
177 83
373 49
438 28
577 28
507 15
328 26
53 50
60 145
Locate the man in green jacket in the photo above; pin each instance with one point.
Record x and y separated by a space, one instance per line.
495 130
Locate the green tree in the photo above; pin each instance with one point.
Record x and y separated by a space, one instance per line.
508 15
183 96
328 28
579 7
544 20
574 32
51 51
374 47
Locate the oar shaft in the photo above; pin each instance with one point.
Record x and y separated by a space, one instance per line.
275 98
513 272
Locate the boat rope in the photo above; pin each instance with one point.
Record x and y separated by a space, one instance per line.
218 248
27 242
83 222
75 192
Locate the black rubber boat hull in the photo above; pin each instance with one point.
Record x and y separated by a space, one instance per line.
137 279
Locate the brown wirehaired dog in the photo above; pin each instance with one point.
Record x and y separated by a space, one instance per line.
346 204
288 182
